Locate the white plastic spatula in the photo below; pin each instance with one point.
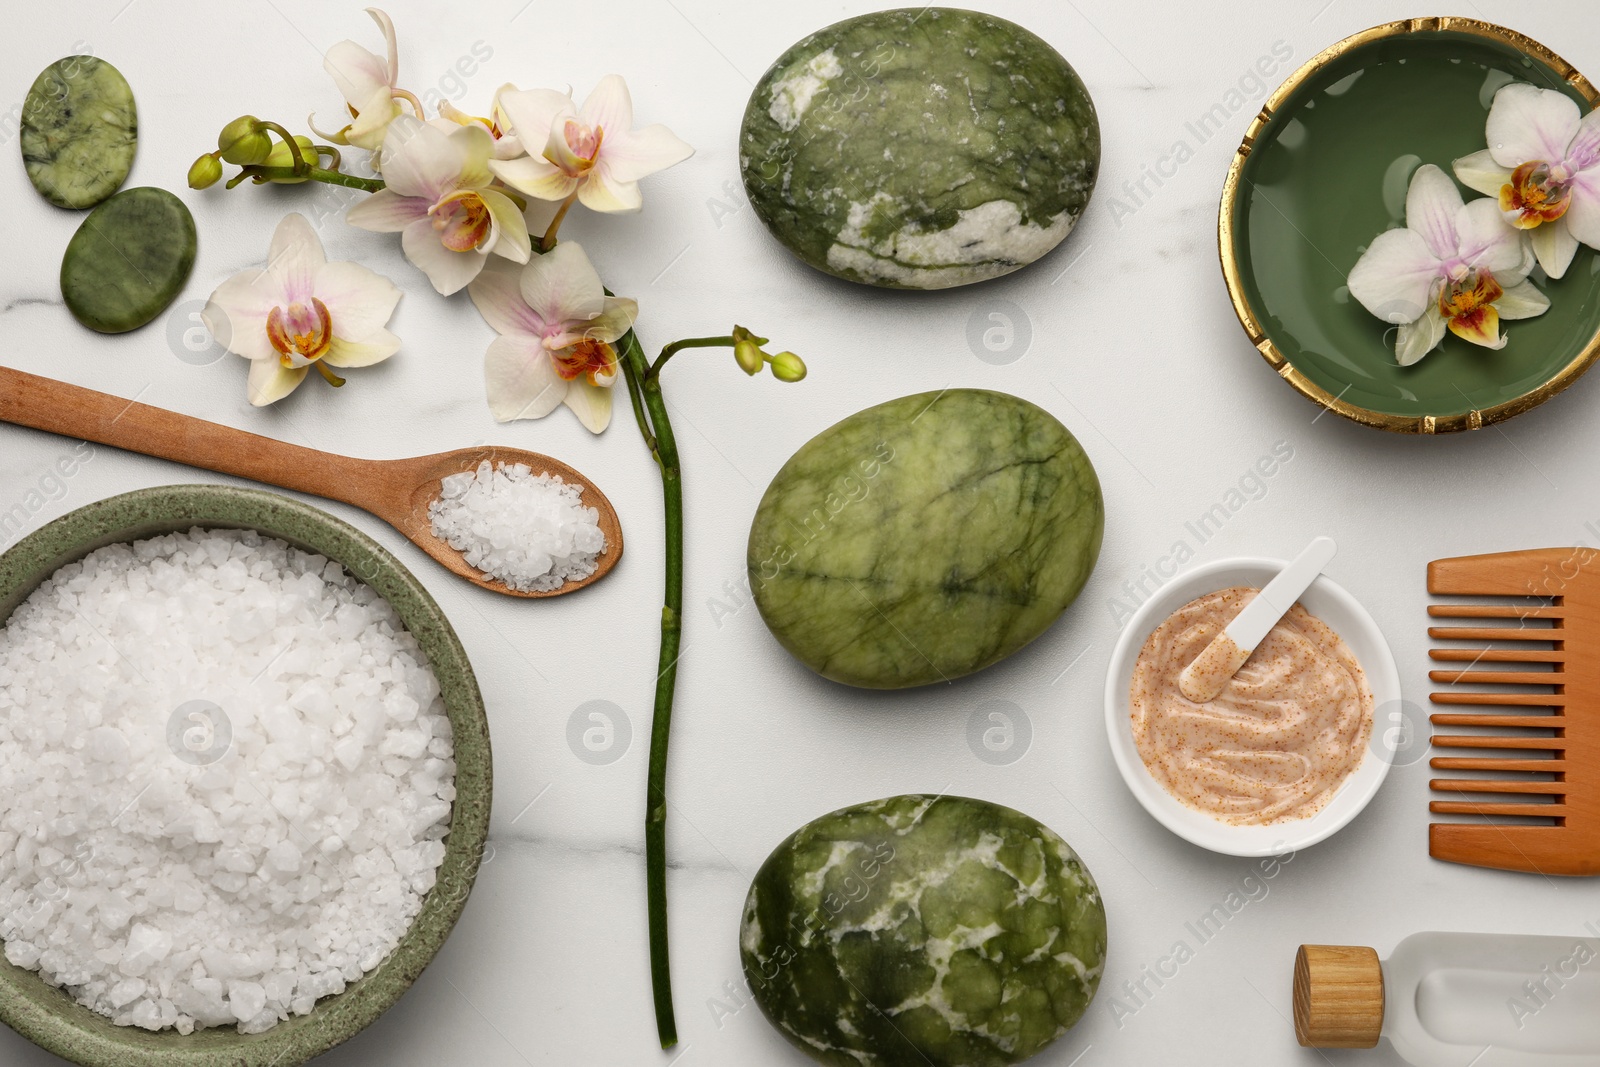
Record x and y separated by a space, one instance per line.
1203 679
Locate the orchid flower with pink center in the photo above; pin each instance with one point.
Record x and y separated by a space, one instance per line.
557 327
1453 266
1543 166
592 152
439 199
507 145
299 312
368 84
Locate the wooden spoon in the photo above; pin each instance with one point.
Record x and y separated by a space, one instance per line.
397 491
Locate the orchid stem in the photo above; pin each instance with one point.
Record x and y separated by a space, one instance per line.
548 241
639 415
300 164
724 341
316 174
411 98
650 408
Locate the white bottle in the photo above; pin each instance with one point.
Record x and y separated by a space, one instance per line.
1456 1000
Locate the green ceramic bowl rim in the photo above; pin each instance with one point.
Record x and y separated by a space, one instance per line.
49 1017
1233 275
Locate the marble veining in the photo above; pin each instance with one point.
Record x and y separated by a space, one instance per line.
920 148
1136 337
923 930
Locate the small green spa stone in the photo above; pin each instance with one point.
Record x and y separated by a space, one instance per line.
926 538
128 260
79 131
920 148
923 931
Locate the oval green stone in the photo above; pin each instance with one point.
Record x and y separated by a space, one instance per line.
925 538
923 931
920 148
128 260
79 131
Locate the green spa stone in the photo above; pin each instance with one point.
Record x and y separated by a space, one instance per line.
79 131
925 538
923 931
128 260
920 148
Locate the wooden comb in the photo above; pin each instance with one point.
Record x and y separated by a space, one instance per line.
1533 714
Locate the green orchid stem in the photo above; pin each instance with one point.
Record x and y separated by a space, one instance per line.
650 409
316 174
636 395
725 341
548 241
300 164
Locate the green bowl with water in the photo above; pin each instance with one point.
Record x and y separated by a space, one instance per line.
1324 169
50 1017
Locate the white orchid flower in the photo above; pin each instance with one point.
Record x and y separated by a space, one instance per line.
1454 266
368 83
438 198
507 145
557 327
593 151
1543 166
301 311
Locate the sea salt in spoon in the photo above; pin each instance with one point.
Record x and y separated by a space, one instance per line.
1202 680
398 491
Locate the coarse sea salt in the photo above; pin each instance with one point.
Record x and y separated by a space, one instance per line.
226 774
530 531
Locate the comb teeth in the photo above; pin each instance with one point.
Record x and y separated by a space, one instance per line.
1495 633
1529 722
1499 677
1503 700
1496 655
1522 655
1497 785
1460 807
1497 763
1496 611
1534 744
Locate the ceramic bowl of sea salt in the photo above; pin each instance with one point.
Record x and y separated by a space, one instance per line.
321 785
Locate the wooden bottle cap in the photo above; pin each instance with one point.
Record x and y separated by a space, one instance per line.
1338 997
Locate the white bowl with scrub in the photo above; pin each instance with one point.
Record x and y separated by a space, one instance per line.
1327 601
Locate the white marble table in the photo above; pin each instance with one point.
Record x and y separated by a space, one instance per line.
1130 341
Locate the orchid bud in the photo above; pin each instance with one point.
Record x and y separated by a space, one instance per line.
748 355
788 367
740 333
205 172
282 156
244 142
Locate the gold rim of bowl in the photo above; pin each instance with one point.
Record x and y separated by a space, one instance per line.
1424 424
